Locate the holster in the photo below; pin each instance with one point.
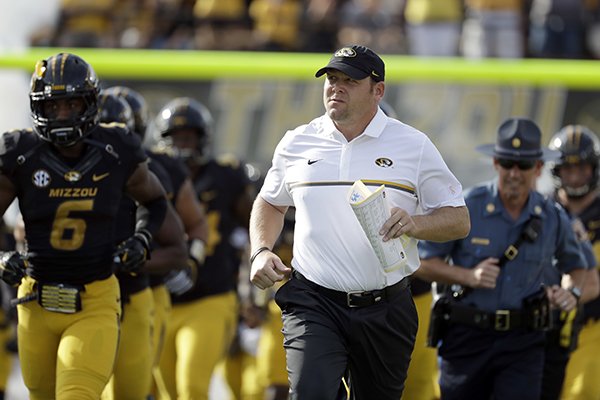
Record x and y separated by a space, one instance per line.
439 321
537 307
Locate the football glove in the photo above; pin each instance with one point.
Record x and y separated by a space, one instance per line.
132 253
197 250
12 267
182 280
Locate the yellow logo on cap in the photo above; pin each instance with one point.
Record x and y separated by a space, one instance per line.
516 143
374 74
345 52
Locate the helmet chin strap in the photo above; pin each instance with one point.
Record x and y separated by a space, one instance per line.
192 156
577 192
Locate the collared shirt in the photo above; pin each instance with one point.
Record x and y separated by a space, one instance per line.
314 167
493 230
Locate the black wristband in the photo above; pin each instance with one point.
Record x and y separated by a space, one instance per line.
257 252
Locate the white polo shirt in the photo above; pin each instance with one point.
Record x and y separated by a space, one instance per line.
314 167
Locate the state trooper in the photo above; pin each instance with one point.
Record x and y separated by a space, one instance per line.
494 318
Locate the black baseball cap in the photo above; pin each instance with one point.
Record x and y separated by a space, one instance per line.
519 139
358 62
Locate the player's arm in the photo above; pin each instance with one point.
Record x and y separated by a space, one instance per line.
192 213
194 220
12 264
591 286
146 189
243 206
171 250
8 193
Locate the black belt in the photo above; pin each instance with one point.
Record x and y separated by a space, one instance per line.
355 298
499 320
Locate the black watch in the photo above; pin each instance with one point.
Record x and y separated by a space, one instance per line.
576 292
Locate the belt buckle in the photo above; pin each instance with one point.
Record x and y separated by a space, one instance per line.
502 320
60 298
351 295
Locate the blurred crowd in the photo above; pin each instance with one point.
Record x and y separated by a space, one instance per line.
469 28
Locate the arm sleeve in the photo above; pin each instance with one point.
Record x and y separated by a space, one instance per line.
437 186
274 189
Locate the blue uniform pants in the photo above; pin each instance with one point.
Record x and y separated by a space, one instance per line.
480 364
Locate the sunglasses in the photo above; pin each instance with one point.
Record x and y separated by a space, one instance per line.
523 165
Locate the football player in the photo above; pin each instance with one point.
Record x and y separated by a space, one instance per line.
576 176
69 175
133 368
189 209
204 319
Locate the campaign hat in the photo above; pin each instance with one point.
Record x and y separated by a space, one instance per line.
358 62
519 139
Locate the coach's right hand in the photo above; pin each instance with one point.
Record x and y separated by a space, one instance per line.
266 269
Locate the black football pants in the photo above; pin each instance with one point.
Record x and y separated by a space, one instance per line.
325 341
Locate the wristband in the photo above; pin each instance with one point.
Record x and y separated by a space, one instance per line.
257 252
576 292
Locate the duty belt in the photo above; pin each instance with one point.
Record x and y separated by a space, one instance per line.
355 298
499 320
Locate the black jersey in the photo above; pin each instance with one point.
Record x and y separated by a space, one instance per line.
591 220
176 170
219 186
126 220
69 207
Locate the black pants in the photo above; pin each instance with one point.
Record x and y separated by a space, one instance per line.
325 341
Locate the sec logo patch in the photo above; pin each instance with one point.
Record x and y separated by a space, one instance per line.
41 178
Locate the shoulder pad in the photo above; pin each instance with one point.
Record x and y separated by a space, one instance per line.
122 127
228 160
108 132
10 139
163 150
16 145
